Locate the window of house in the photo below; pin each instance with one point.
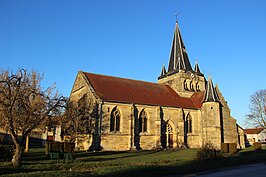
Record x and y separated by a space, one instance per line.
115 120
143 122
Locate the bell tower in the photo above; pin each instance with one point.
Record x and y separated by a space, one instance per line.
180 75
212 119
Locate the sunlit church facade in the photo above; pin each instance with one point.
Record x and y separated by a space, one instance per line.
183 109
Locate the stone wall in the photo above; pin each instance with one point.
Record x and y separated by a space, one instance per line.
212 123
165 125
185 84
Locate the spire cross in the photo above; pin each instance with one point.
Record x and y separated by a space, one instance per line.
176 14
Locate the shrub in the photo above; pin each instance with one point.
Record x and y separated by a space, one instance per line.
257 146
6 152
208 151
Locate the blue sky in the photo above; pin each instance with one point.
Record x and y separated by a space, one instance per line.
132 39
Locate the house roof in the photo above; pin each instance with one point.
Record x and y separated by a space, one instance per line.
122 90
253 130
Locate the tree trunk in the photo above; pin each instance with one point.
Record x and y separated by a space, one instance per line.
16 160
27 144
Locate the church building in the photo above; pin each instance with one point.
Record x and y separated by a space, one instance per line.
183 109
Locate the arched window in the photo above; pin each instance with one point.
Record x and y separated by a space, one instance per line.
197 87
191 86
115 120
189 124
185 85
143 122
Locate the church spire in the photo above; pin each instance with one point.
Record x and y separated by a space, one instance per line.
178 56
163 71
210 92
197 69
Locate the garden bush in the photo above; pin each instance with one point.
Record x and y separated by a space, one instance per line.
6 152
208 151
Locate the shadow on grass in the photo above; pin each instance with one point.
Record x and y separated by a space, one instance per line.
110 155
17 170
110 169
191 167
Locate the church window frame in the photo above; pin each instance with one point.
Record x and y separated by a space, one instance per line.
115 120
191 86
143 122
197 87
185 85
189 124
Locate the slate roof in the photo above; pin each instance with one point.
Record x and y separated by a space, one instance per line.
197 69
178 58
253 130
122 90
211 93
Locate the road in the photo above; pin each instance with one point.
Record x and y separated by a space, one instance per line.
256 170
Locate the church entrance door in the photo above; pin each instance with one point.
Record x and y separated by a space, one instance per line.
169 135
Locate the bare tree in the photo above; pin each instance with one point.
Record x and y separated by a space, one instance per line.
79 118
257 110
24 106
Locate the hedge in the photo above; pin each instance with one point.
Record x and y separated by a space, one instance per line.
6 152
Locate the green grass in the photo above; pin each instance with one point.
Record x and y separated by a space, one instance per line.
137 163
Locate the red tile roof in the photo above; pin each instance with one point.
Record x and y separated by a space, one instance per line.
253 130
197 98
122 90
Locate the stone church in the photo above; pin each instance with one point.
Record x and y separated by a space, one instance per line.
182 109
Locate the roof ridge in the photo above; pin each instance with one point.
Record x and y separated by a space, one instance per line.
122 78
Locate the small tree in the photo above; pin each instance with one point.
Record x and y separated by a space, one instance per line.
24 106
257 110
79 118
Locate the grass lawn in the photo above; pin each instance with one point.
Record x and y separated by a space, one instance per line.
137 163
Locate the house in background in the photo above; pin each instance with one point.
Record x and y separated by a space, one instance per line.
37 137
255 135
